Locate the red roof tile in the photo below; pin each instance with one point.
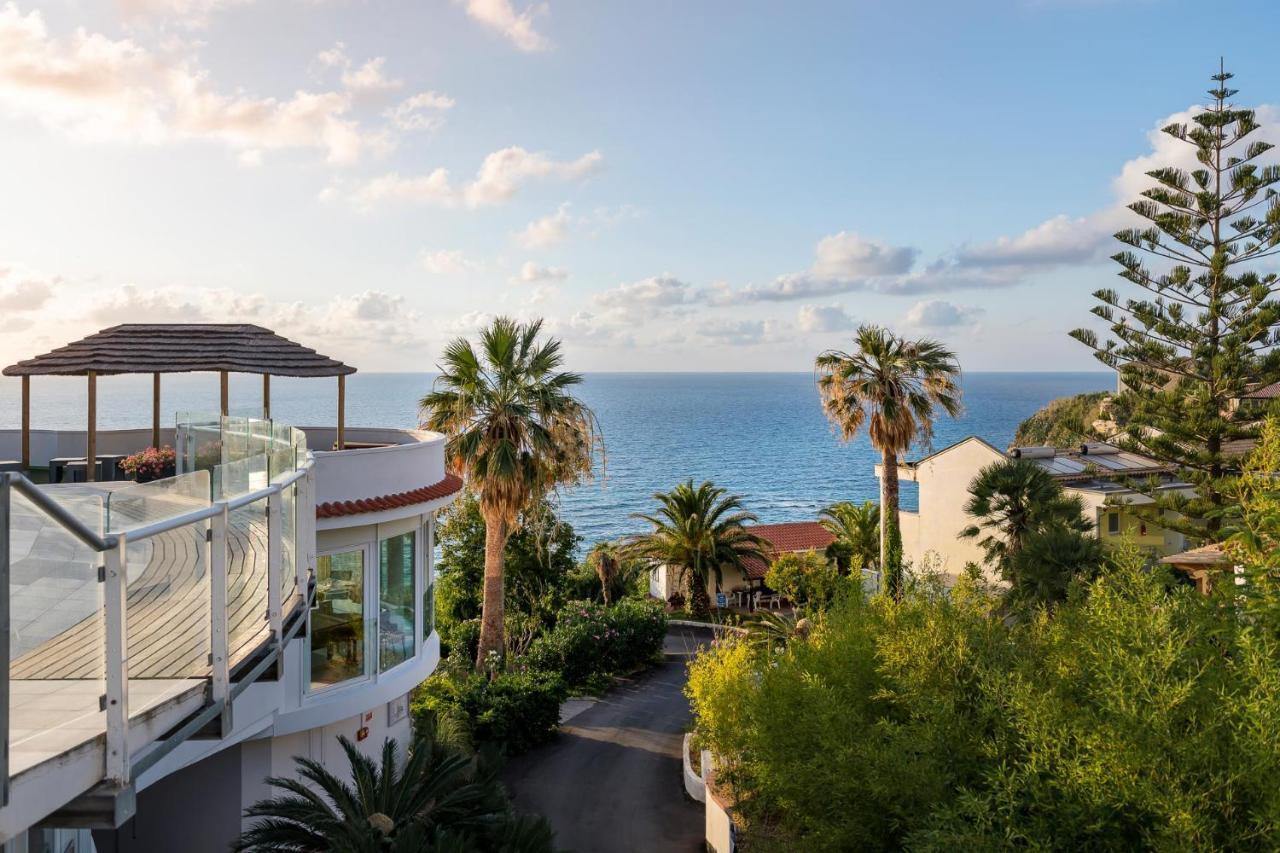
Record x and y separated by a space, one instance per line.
785 537
1266 392
336 509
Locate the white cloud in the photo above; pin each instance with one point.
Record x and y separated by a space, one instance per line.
547 230
823 318
501 17
420 112
532 273
646 296
189 12
1060 240
447 262
94 86
22 291
937 313
499 178
846 256
738 332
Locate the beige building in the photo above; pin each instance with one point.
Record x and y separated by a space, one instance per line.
1094 472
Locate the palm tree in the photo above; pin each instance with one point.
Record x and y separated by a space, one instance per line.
515 432
698 532
895 387
605 557
442 800
856 528
1011 500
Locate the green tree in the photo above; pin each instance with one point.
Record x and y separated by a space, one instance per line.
1205 326
440 800
1013 499
856 528
807 578
538 561
895 387
697 532
515 432
1050 560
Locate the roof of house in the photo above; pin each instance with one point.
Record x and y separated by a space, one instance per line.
1205 556
1266 392
1091 461
787 537
181 348
336 509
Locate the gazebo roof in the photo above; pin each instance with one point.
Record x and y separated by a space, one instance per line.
181 348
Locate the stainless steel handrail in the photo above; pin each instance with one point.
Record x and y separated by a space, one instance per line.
19 482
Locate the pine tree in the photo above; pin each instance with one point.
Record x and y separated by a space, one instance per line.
1205 330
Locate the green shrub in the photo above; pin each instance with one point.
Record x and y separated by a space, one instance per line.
515 711
591 640
1134 716
806 578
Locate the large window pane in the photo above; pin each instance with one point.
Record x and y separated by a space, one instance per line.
396 600
337 622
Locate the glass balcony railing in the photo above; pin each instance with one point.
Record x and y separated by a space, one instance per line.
126 601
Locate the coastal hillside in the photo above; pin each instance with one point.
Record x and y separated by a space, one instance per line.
1066 421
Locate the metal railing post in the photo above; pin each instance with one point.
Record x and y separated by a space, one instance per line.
116 621
220 654
275 564
4 635
305 506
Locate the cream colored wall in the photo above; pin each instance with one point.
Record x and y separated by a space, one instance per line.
1157 540
943 483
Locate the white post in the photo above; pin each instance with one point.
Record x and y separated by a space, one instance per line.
275 563
116 622
220 655
306 532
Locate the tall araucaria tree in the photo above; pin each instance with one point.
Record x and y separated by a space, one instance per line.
1205 329
896 387
515 432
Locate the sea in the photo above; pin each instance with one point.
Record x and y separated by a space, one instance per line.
760 435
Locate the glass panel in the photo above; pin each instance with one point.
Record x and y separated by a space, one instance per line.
56 645
288 550
168 596
396 600
199 442
337 620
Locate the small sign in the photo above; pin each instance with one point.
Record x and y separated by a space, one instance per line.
722 600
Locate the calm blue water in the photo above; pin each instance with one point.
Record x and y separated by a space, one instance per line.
761 435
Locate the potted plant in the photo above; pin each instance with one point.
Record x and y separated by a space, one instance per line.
154 463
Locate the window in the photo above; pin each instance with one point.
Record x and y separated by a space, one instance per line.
429 587
337 620
397 600
1113 523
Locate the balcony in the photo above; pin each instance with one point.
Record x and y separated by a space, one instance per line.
136 613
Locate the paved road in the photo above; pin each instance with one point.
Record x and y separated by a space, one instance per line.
612 780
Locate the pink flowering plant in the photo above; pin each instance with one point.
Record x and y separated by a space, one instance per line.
154 463
590 641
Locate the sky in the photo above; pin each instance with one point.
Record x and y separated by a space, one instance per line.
670 184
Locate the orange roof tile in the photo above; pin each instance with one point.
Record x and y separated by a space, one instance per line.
337 509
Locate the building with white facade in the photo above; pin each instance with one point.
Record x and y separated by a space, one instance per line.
171 644
1096 473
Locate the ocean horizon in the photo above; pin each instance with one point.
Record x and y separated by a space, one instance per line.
761 435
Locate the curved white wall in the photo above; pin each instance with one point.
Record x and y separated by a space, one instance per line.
414 461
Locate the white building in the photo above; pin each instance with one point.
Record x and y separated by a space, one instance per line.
1093 472
173 644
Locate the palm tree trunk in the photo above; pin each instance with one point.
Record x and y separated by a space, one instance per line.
496 533
888 513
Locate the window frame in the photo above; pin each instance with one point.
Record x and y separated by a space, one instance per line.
417 598
370 615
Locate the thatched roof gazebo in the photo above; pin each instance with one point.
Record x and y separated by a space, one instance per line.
158 348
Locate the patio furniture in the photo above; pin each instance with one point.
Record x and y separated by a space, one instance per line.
10 465
772 600
58 465
74 471
109 466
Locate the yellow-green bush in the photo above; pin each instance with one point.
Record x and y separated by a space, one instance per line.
1140 716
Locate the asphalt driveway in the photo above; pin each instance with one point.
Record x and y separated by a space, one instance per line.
612 780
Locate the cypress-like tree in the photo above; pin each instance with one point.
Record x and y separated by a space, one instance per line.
1205 329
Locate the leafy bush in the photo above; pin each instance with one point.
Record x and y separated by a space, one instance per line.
1064 422
590 640
806 578
514 711
154 463
1136 716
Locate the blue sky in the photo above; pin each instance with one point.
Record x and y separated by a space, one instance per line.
672 185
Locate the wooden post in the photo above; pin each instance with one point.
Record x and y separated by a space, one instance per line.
26 423
226 393
155 410
91 448
342 412
266 396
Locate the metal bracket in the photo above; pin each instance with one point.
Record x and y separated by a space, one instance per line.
102 574
102 701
